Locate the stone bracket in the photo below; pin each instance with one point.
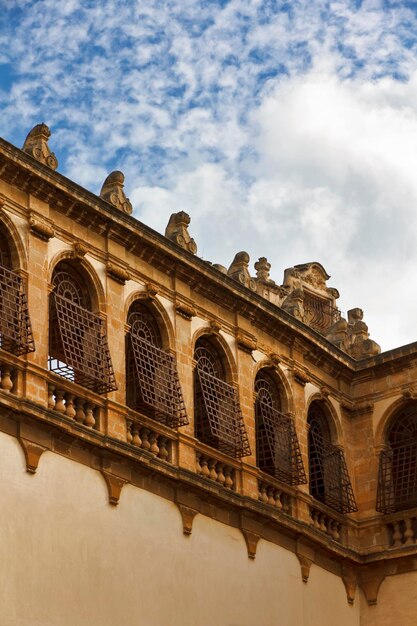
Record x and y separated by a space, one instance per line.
187 514
350 580
33 453
305 554
252 540
115 485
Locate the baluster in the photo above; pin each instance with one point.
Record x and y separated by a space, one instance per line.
264 497
136 440
153 446
163 450
316 520
6 379
397 535
198 466
204 466
229 480
277 498
89 417
409 533
145 439
79 410
286 503
51 397
59 401
335 530
129 431
322 522
270 493
221 478
69 405
212 468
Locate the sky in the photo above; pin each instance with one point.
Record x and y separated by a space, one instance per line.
286 129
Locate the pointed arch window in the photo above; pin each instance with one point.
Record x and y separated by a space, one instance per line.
15 327
329 476
218 418
397 477
78 348
277 448
153 386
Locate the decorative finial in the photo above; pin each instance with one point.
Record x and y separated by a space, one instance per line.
177 231
112 192
36 144
262 269
239 270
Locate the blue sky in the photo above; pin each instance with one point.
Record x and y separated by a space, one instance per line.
287 129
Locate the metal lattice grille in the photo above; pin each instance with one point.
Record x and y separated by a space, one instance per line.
159 386
221 422
279 452
329 476
320 314
79 350
15 328
397 478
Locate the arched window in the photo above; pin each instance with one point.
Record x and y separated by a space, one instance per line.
397 481
328 473
78 347
152 383
15 328
218 419
277 448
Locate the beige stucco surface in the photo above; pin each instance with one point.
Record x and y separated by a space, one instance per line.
397 603
69 558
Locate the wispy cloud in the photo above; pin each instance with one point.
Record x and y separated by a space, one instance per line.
288 129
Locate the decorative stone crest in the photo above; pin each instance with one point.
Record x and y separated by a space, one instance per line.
112 192
36 144
239 270
262 267
177 231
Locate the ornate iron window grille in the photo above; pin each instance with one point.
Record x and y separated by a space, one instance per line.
319 313
397 478
329 476
221 422
78 346
159 385
15 327
278 448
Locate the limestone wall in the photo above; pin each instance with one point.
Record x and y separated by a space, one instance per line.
70 559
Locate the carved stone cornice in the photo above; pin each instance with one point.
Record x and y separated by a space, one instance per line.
117 273
300 377
40 228
150 292
186 311
245 342
80 249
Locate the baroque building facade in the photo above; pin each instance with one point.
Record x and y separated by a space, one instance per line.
184 443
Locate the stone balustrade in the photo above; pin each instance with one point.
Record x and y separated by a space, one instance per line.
218 471
73 406
325 523
402 531
274 496
146 438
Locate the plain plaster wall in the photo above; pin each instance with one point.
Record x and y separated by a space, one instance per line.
69 558
397 603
